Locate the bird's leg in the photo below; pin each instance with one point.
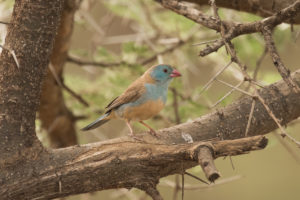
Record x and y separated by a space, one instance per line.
130 128
131 134
152 131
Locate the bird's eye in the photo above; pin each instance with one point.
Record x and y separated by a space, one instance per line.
165 70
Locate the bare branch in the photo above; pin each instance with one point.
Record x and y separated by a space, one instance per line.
258 63
235 87
232 29
12 52
230 49
283 71
195 177
214 78
205 159
78 61
6 23
63 85
175 105
250 117
228 93
94 163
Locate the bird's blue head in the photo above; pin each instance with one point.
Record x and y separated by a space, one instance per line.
164 73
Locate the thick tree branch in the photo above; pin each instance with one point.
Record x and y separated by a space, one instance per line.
259 7
120 163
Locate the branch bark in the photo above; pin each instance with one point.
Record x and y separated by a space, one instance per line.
116 164
259 7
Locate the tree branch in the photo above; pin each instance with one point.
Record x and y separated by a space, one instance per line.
232 29
259 7
99 166
118 163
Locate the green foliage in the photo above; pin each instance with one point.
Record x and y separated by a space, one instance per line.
249 48
132 51
173 23
271 77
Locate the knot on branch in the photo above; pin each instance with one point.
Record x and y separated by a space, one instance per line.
205 157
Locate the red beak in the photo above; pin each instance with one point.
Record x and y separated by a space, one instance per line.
175 73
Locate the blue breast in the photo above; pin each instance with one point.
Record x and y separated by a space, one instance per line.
156 91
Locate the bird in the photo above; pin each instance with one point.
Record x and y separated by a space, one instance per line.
143 99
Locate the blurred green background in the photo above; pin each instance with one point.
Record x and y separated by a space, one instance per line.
132 31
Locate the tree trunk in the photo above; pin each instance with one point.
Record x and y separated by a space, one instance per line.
30 36
56 118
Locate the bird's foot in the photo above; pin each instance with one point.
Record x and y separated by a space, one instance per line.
135 137
153 132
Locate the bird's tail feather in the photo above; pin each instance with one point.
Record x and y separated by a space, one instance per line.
98 122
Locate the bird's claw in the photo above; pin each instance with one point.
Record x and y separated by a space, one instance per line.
153 132
135 137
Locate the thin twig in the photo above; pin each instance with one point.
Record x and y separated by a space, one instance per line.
213 78
283 132
283 71
195 177
167 50
6 23
62 85
228 93
257 67
114 64
175 105
201 186
78 61
231 161
176 188
258 63
12 52
250 117
287 147
205 42
234 87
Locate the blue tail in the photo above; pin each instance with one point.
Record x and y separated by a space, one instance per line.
98 122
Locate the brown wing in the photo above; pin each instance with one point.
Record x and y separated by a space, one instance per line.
134 91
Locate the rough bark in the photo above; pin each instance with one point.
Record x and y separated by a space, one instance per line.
118 164
30 35
259 7
56 118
